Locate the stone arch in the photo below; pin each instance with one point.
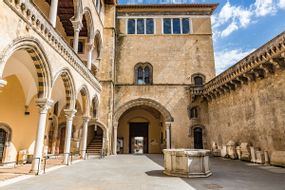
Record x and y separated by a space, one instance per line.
98 44
8 130
143 102
94 107
69 85
89 22
204 133
35 50
143 66
198 75
85 92
100 124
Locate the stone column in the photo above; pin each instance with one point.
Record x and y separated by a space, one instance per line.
84 136
44 105
69 113
90 48
53 12
77 25
168 126
2 83
115 136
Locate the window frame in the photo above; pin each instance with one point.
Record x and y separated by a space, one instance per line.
181 25
136 25
143 66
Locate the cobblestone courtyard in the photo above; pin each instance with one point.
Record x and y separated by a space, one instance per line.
131 172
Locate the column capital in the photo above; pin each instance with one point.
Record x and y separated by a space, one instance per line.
86 118
168 124
115 125
76 24
70 113
44 104
2 83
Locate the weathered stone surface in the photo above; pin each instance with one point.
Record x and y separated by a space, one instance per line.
245 152
231 150
224 152
252 153
259 157
278 158
238 150
188 163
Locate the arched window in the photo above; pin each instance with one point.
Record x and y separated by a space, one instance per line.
198 138
194 112
143 73
5 138
198 79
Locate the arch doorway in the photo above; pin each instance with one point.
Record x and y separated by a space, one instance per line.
3 136
198 138
145 122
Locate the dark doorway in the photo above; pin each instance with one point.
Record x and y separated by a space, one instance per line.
139 130
198 138
2 143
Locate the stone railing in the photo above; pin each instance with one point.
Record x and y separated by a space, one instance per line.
39 23
258 64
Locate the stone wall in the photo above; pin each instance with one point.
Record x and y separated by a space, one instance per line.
253 113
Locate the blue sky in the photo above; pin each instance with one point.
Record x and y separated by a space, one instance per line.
239 26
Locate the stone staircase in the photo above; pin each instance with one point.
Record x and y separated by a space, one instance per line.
95 147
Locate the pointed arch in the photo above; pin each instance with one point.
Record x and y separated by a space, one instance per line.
69 86
98 44
36 51
89 22
94 107
83 90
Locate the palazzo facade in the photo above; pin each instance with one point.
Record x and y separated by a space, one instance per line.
89 76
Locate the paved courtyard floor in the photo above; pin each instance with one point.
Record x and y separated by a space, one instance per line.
131 172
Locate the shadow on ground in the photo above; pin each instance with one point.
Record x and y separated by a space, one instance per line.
232 175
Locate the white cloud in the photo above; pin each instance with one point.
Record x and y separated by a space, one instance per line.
231 18
264 7
231 28
281 4
234 17
225 59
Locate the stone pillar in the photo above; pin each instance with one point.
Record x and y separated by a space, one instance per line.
44 105
53 12
115 136
2 83
168 140
77 25
90 48
69 113
84 136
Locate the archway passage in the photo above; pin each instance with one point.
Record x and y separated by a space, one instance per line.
198 138
141 129
95 140
3 136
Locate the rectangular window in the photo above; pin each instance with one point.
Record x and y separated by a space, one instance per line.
176 26
149 26
185 25
167 26
140 26
131 26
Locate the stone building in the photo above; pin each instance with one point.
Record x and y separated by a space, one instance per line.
91 75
